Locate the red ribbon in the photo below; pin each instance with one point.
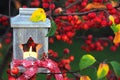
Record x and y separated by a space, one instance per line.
32 68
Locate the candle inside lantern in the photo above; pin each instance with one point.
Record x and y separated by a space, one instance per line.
30 53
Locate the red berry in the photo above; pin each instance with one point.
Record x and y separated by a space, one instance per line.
104 23
85 27
58 37
52 6
98 44
14 70
71 58
110 38
110 23
109 6
65 38
4 18
45 5
98 20
51 40
24 6
9 34
117 20
37 3
92 46
11 78
5 23
76 17
50 51
67 66
7 40
113 48
92 15
101 48
78 22
113 11
66 51
88 42
83 4
70 34
69 17
105 44
58 10
90 36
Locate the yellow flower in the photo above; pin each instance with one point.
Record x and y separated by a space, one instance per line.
38 15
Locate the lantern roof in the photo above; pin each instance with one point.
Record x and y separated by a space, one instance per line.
22 20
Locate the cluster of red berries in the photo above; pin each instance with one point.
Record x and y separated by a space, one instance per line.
111 9
92 45
13 71
52 53
4 21
63 63
8 38
98 45
48 4
93 20
78 7
66 27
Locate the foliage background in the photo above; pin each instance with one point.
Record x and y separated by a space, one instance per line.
58 46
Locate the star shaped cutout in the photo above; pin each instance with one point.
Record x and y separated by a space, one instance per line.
30 43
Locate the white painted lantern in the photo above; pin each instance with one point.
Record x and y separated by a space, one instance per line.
29 38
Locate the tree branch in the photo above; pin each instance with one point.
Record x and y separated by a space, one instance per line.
72 4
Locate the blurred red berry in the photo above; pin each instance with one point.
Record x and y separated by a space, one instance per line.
110 23
113 11
90 36
66 51
109 6
71 58
45 5
92 15
110 38
117 20
65 38
83 4
58 10
58 37
14 70
52 6
51 40
113 48
11 78
7 40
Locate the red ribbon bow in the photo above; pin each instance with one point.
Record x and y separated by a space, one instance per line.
32 68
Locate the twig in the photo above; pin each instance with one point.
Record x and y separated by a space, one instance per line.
84 13
72 4
4 15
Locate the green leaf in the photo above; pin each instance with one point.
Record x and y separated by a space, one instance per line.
114 28
86 61
102 70
52 29
116 67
